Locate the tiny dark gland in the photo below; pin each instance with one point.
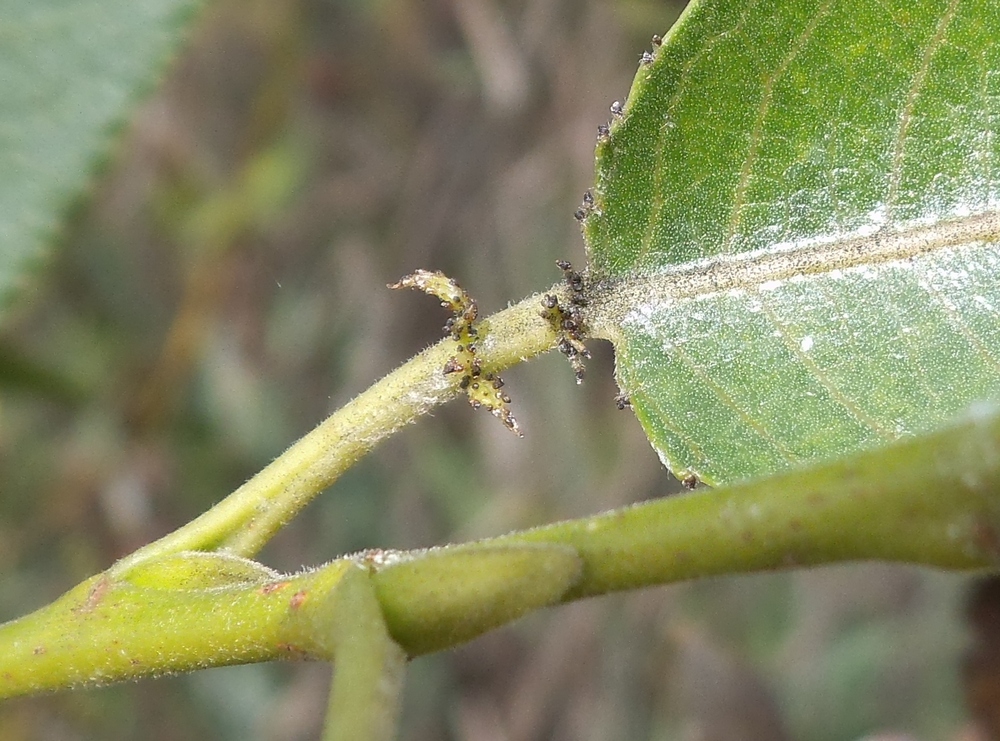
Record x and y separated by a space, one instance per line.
504 398
475 387
498 383
564 265
646 58
579 214
588 198
690 481
617 108
657 40
551 302
603 131
622 401
464 383
568 324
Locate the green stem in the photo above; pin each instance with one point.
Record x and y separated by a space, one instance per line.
934 501
244 521
368 664
183 612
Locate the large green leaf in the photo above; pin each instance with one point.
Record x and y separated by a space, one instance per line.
794 240
68 72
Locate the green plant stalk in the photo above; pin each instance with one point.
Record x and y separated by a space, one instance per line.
243 522
183 612
368 665
934 500
442 597
193 610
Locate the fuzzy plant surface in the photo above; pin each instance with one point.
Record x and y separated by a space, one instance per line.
792 241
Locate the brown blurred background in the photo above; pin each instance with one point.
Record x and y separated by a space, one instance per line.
223 289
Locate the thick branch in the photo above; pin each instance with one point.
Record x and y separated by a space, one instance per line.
934 500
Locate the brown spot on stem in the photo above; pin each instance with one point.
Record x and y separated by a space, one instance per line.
298 599
273 587
95 596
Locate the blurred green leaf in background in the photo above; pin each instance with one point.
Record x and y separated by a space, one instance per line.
61 93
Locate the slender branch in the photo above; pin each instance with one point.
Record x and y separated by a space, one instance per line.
175 588
369 665
244 521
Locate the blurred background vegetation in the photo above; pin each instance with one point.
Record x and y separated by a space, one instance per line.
222 289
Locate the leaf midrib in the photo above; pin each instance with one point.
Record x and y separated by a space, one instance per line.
611 299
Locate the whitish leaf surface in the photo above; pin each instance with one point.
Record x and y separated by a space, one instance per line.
794 240
68 72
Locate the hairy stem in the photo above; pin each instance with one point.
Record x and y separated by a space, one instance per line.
243 522
183 612
368 665
934 500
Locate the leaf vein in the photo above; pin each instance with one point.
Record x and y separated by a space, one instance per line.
757 133
750 270
958 322
660 169
906 114
727 400
824 380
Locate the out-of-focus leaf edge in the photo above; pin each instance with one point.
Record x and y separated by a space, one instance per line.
78 193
